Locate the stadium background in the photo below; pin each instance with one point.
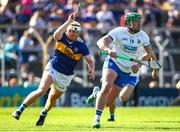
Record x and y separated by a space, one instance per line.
26 28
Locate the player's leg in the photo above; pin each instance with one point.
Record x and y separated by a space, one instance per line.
131 82
111 112
107 81
46 81
126 93
92 97
114 92
54 94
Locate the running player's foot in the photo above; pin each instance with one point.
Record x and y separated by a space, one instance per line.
41 120
92 97
111 119
16 114
96 124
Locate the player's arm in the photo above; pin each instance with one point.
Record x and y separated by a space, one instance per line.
91 66
104 44
150 52
178 84
59 32
151 56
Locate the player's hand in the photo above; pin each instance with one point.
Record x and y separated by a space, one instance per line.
135 68
155 74
112 53
91 74
71 17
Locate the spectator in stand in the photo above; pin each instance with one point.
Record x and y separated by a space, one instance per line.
89 17
23 11
11 49
106 21
175 3
38 5
122 18
173 22
56 16
37 21
12 82
148 18
26 46
6 15
32 81
174 18
90 21
12 78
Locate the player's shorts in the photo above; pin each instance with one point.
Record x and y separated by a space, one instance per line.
122 77
60 81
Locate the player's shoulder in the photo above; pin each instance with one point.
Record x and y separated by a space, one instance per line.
80 40
143 33
117 31
120 29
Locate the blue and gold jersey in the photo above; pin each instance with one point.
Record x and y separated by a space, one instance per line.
67 54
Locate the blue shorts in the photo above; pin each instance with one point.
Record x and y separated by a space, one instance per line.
122 77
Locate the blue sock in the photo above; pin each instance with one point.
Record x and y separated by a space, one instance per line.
44 112
22 107
111 116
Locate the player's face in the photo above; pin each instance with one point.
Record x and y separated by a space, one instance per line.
73 34
136 25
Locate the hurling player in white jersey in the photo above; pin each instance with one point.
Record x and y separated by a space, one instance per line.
119 76
59 72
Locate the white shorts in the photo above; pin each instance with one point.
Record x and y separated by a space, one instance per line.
60 81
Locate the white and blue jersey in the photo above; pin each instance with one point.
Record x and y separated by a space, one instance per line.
67 54
129 45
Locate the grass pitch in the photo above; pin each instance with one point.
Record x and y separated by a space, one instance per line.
134 119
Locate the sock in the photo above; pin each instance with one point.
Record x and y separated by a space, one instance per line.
98 115
111 116
22 107
44 112
95 94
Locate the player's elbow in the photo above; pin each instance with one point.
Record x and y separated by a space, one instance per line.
55 35
99 43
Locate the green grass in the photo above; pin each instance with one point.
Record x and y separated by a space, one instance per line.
134 119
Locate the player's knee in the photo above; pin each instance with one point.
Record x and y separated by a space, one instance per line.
108 104
123 98
40 92
106 88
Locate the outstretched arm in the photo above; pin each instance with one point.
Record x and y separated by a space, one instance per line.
91 66
59 32
104 44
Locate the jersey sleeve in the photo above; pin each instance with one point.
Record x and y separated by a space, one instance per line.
85 50
146 40
113 33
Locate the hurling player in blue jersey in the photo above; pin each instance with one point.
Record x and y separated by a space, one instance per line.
59 71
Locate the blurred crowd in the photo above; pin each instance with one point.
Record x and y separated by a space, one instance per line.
22 49
43 13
